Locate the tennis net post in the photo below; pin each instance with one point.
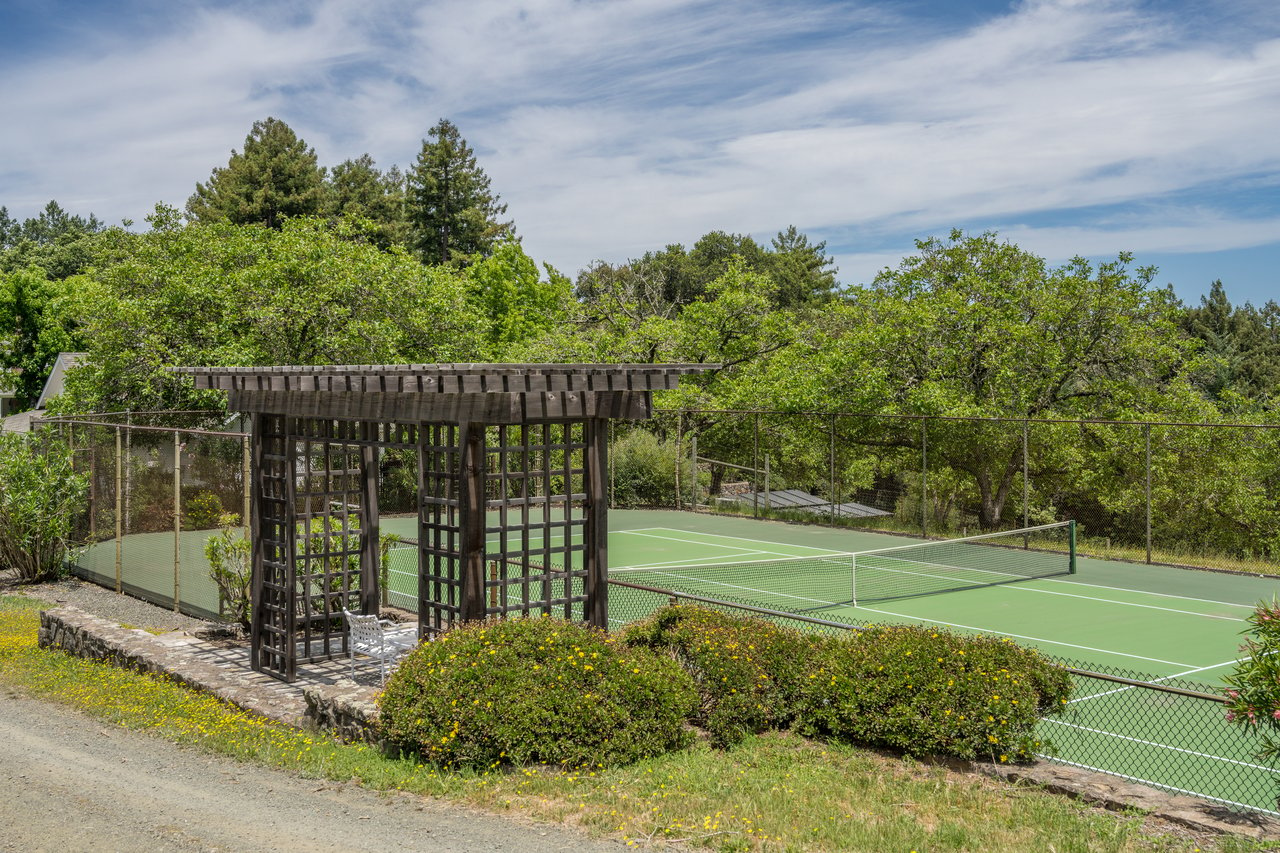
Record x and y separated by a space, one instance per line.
1071 546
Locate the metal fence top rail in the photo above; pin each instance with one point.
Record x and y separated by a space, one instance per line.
457 368
966 418
67 421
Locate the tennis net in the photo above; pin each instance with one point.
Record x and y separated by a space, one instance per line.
809 584
948 565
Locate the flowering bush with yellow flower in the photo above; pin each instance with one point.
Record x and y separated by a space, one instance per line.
748 671
926 691
535 691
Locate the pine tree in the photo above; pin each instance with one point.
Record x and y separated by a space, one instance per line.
276 177
453 213
358 189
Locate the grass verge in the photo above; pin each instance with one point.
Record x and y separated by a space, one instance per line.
771 793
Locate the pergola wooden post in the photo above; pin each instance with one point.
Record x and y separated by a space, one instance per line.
512 490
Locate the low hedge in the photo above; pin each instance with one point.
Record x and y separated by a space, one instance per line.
748 671
535 691
917 690
931 692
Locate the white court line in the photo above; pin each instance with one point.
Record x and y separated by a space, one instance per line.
1147 592
728 536
1044 591
750 589
998 633
717 545
1208 755
694 562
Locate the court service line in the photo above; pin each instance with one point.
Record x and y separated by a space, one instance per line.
713 544
997 633
1153 681
750 589
695 563
731 536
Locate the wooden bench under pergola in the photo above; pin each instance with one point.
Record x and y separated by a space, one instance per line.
512 476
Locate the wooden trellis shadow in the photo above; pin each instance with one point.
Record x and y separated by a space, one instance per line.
512 504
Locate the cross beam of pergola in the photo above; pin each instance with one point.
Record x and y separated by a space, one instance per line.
512 504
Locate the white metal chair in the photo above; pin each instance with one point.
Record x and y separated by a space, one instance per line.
377 638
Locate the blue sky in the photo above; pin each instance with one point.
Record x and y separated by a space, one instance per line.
610 127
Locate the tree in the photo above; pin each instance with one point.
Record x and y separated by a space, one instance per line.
358 190
39 319
803 271
454 215
1243 343
518 303
977 327
276 177
220 294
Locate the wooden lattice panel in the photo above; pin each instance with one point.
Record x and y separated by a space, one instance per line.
273 625
535 504
329 516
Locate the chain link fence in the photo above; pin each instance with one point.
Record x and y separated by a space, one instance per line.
1195 495
1202 496
1168 733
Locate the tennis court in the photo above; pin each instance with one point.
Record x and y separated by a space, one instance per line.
1176 627
1161 624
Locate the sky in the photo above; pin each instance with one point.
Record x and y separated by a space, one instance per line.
613 127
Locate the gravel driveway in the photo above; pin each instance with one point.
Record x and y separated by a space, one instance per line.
71 783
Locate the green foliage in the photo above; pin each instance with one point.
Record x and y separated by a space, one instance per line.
230 567
311 292
1242 372
518 304
40 496
749 672
799 272
1253 688
358 190
39 319
203 511
909 688
453 213
535 691
644 470
926 691
275 178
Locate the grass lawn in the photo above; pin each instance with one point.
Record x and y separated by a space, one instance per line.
776 792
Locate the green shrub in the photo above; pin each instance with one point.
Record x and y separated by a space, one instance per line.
931 692
230 560
204 511
535 691
644 470
748 672
1253 695
40 495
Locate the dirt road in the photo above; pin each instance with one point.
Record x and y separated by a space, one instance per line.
69 783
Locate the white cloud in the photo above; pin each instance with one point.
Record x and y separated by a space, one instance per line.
611 128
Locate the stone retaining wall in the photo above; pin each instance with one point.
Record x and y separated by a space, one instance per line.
168 655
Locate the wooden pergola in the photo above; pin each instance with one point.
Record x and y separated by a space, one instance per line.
512 477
